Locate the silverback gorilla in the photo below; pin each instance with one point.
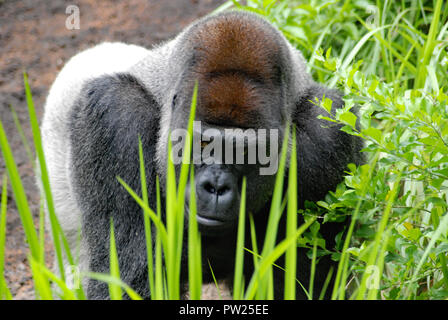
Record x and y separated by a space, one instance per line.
108 96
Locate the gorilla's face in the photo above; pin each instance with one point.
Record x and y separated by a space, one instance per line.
218 189
232 139
241 113
219 176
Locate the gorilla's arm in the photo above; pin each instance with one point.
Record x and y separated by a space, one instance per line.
105 125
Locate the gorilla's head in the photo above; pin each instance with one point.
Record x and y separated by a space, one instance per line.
244 102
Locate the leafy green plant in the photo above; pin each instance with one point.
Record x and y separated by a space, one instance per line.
390 58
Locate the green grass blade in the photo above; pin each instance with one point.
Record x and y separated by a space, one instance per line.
379 238
19 195
355 51
238 281
268 260
255 255
160 281
214 280
112 280
146 219
155 218
183 178
326 283
66 293
259 257
429 47
4 291
341 273
291 223
171 252
275 210
439 232
42 234
25 143
41 283
194 245
313 269
45 179
114 289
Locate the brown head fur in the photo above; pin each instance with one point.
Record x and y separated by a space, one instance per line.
234 59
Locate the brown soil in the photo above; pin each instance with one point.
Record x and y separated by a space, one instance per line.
34 38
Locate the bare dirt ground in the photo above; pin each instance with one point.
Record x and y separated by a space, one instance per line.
34 38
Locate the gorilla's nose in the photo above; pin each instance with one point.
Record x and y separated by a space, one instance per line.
217 193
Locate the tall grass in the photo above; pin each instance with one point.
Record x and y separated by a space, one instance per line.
4 291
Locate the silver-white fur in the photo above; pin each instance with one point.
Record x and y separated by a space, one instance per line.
106 58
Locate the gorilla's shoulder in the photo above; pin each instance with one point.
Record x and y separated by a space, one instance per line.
116 108
116 89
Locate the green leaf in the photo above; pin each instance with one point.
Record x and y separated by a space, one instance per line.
348 118
373 133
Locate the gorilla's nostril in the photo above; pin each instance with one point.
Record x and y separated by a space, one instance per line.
223 190
209 188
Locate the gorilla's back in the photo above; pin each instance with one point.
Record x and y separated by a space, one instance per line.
106 58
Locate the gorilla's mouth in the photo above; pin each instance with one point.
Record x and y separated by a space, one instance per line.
210 222
209 225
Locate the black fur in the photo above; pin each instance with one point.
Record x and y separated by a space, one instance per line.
105 125
323 150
